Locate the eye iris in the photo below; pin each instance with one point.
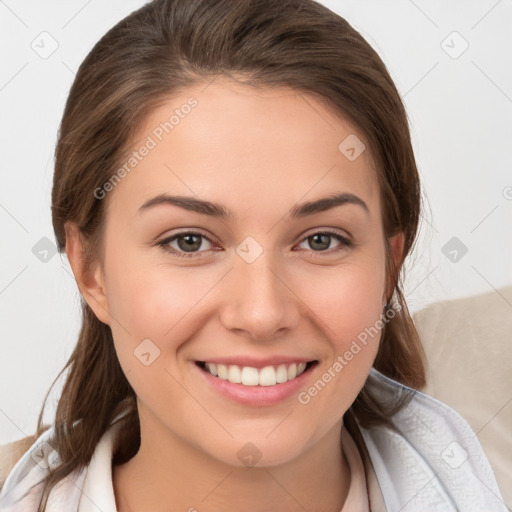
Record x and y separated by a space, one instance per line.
192 242
321 239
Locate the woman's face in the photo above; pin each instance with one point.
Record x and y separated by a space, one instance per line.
272 282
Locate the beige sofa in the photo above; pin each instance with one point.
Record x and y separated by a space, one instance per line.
468 343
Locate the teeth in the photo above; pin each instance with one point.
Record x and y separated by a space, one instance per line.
249 376
268 376
281 374
222 371
292 371
234 374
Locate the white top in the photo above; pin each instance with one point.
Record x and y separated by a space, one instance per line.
357 497
432 461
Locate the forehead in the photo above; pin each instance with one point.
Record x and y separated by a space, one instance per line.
259 147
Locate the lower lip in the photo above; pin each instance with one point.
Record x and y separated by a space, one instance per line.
257 396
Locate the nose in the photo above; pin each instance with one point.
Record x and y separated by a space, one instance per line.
260 302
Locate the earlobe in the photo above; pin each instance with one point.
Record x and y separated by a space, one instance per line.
89 278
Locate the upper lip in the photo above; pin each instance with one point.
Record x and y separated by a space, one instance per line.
256 362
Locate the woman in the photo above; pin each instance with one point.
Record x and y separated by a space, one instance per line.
236 192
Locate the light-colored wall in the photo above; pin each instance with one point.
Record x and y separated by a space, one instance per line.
460 108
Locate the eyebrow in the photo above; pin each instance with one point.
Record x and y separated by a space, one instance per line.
217 210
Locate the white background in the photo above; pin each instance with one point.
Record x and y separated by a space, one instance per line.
460 111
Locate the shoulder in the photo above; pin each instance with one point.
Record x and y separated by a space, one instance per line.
10 454
22 484
428 458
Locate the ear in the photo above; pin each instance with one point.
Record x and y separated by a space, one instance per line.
90 279
396 244
396 248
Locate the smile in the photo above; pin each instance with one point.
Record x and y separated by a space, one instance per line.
250 376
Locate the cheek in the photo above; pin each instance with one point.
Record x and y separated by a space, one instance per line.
348 304
152 310
348 298
155 302
152 302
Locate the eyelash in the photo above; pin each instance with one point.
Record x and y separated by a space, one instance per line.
345 243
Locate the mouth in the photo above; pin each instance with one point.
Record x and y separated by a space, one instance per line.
251 376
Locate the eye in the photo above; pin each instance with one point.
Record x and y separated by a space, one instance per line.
186 244
192 243
321 241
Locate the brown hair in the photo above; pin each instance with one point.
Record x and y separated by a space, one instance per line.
158 50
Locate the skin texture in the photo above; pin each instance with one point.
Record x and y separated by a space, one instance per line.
258 152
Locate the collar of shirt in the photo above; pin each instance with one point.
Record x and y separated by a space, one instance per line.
357 497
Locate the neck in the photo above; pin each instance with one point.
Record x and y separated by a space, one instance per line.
177 473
